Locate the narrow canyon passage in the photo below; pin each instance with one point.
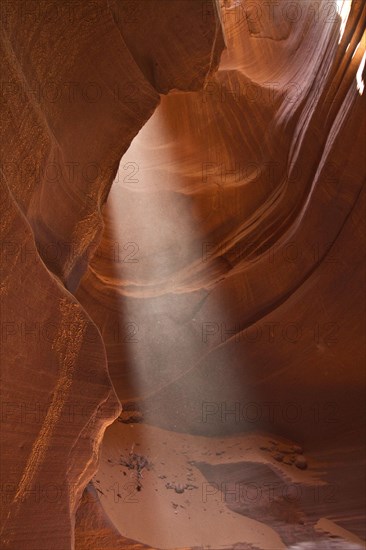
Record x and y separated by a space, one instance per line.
182 222
183 287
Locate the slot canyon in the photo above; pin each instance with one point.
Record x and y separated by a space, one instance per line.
183 274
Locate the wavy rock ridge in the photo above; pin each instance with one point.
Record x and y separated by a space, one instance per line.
76 89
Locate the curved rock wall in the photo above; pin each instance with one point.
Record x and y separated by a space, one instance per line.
254 187
228 284
75 91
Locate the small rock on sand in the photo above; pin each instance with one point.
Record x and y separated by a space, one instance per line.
301 463
285 450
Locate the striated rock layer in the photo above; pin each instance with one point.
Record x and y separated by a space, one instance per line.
231 265
77 86
228 284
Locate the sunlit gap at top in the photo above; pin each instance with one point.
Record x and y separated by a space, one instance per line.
343 8
359 79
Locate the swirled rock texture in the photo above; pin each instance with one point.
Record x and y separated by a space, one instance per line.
228 284
77 86
235 216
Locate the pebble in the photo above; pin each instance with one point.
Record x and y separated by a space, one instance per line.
179 488
285 450
301 463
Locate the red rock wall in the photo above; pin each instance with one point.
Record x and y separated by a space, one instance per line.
75 91
256 297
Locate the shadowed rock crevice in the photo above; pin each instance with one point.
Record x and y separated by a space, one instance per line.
73 98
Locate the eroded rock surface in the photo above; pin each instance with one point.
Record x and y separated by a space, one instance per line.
228 281
231 263
76 89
